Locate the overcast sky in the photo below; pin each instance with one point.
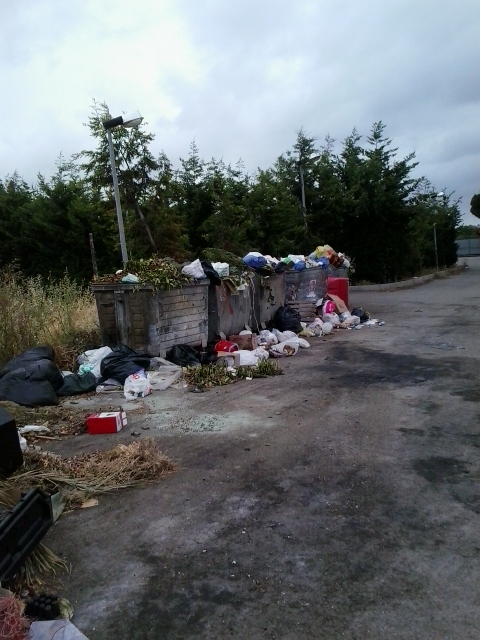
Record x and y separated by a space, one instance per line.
241 78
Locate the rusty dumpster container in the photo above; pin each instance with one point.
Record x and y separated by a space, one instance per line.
228 312
268 294
152 321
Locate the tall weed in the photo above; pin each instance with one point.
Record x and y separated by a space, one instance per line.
34 312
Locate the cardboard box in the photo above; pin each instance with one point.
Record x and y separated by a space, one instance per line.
245 341
226 354
109 422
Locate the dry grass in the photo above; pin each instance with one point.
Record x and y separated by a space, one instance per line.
35 312
84 476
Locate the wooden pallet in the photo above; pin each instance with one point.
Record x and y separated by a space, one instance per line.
307 310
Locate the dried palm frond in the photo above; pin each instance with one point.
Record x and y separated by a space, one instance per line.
86 475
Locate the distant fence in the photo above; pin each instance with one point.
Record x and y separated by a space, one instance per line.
468 248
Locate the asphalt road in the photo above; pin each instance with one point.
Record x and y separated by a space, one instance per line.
341 500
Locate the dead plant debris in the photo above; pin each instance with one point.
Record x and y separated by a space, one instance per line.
84 476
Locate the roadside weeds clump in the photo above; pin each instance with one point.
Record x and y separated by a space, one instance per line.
215 375
35 312
84 476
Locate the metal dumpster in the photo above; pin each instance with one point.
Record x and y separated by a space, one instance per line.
152 321
307 285
228 312
268 294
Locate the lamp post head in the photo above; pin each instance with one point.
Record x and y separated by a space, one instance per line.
132 119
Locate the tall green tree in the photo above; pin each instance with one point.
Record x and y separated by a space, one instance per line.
475 205
141 177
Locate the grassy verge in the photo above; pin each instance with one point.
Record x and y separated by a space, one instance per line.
34 312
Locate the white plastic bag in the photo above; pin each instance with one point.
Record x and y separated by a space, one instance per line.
288 335
92 359
23 443
247 358
222 268
194 270
284 335
287 347
316 326
261 353
351 321
278 334
327 328
332 318
304 344
137 386
267 338
130 278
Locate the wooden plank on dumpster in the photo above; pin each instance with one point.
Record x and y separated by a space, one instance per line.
307 310
177 316
196 303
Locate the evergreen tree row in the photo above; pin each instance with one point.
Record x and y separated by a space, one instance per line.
362 201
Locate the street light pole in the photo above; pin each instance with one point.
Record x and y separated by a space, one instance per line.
121 230
302 187
435 243
133 120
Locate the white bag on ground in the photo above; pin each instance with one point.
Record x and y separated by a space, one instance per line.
327 328
137 386
287 347
351 321
332 318
247 358
62 630
261 353
194 270
316 326
284 335
304 344
267 338
287 335
92 359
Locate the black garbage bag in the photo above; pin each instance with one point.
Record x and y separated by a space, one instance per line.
210 272
287 319
75 383
360 313
281 267
184 355
19 386
39 363
30 355
123 362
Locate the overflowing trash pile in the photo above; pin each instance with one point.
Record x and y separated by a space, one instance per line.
324 257
222 266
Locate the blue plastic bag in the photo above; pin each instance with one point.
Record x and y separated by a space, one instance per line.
299 266
254 262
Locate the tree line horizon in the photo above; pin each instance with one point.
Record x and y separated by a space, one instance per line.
362 200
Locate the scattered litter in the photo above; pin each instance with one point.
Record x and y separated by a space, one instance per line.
33 428
91 502
61 629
